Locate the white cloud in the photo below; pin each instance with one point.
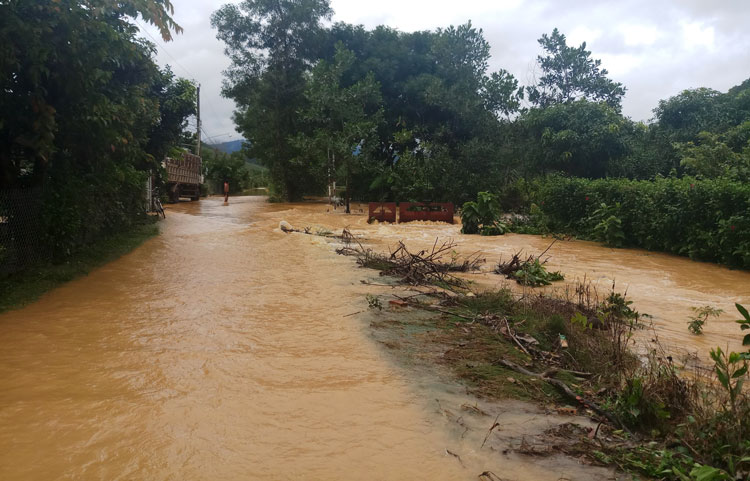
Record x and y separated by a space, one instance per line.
620 64
635 35
582 34
695 34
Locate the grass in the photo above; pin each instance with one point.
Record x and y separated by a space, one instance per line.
659 422
25 287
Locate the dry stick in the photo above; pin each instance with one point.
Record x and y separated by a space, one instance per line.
454 455
561 386
545 250
354 313
494 425
510 334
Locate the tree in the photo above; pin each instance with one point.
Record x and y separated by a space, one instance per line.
440 137
221 167
579 138
342 118
690 123
177 99
271 44
67 62
683 116
569 74
712 156
84 111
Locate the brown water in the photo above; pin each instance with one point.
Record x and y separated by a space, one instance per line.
224 349
661 285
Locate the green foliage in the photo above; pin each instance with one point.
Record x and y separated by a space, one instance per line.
495 228
233 168
744 323
581 138
581 320
710 156
85 113
482 216
607 225
341 118
534 274
730 371
704 219
272 45
374 302
568 74
700 317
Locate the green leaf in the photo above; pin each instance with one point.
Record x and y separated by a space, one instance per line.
708 473
743 311
723 378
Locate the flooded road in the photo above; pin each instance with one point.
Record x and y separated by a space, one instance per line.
225 349
218 350
661 285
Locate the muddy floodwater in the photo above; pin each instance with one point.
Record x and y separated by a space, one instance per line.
226 349
661 285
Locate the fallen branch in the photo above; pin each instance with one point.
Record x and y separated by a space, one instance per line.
513 336
564 388
416 268
545 250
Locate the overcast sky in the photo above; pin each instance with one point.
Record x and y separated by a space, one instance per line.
656 48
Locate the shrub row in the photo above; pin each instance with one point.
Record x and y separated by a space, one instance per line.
703 219
81 208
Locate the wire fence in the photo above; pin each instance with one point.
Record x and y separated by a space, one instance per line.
21 231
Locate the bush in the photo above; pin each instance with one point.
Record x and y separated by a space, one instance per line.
482 216
703 219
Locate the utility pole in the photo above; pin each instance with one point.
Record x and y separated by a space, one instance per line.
198 115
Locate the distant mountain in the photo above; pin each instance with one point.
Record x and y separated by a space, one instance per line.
228 147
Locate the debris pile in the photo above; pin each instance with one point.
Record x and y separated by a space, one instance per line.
425 267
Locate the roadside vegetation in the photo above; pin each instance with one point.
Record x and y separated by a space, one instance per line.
659 418
86 116
243 174
419 116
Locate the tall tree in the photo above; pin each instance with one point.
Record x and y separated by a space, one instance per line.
569 74
271 44
579 138
344 119
66 68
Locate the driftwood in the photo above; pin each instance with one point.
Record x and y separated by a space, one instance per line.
509 268
565 389
424 267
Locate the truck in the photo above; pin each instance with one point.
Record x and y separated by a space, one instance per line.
184 176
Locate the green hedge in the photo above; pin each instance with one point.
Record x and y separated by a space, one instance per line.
81 208
702 219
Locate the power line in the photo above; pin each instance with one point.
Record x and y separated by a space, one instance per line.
160 46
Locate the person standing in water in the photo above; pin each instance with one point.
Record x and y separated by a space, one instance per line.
226 191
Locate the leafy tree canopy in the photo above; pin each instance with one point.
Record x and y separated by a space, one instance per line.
569 74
